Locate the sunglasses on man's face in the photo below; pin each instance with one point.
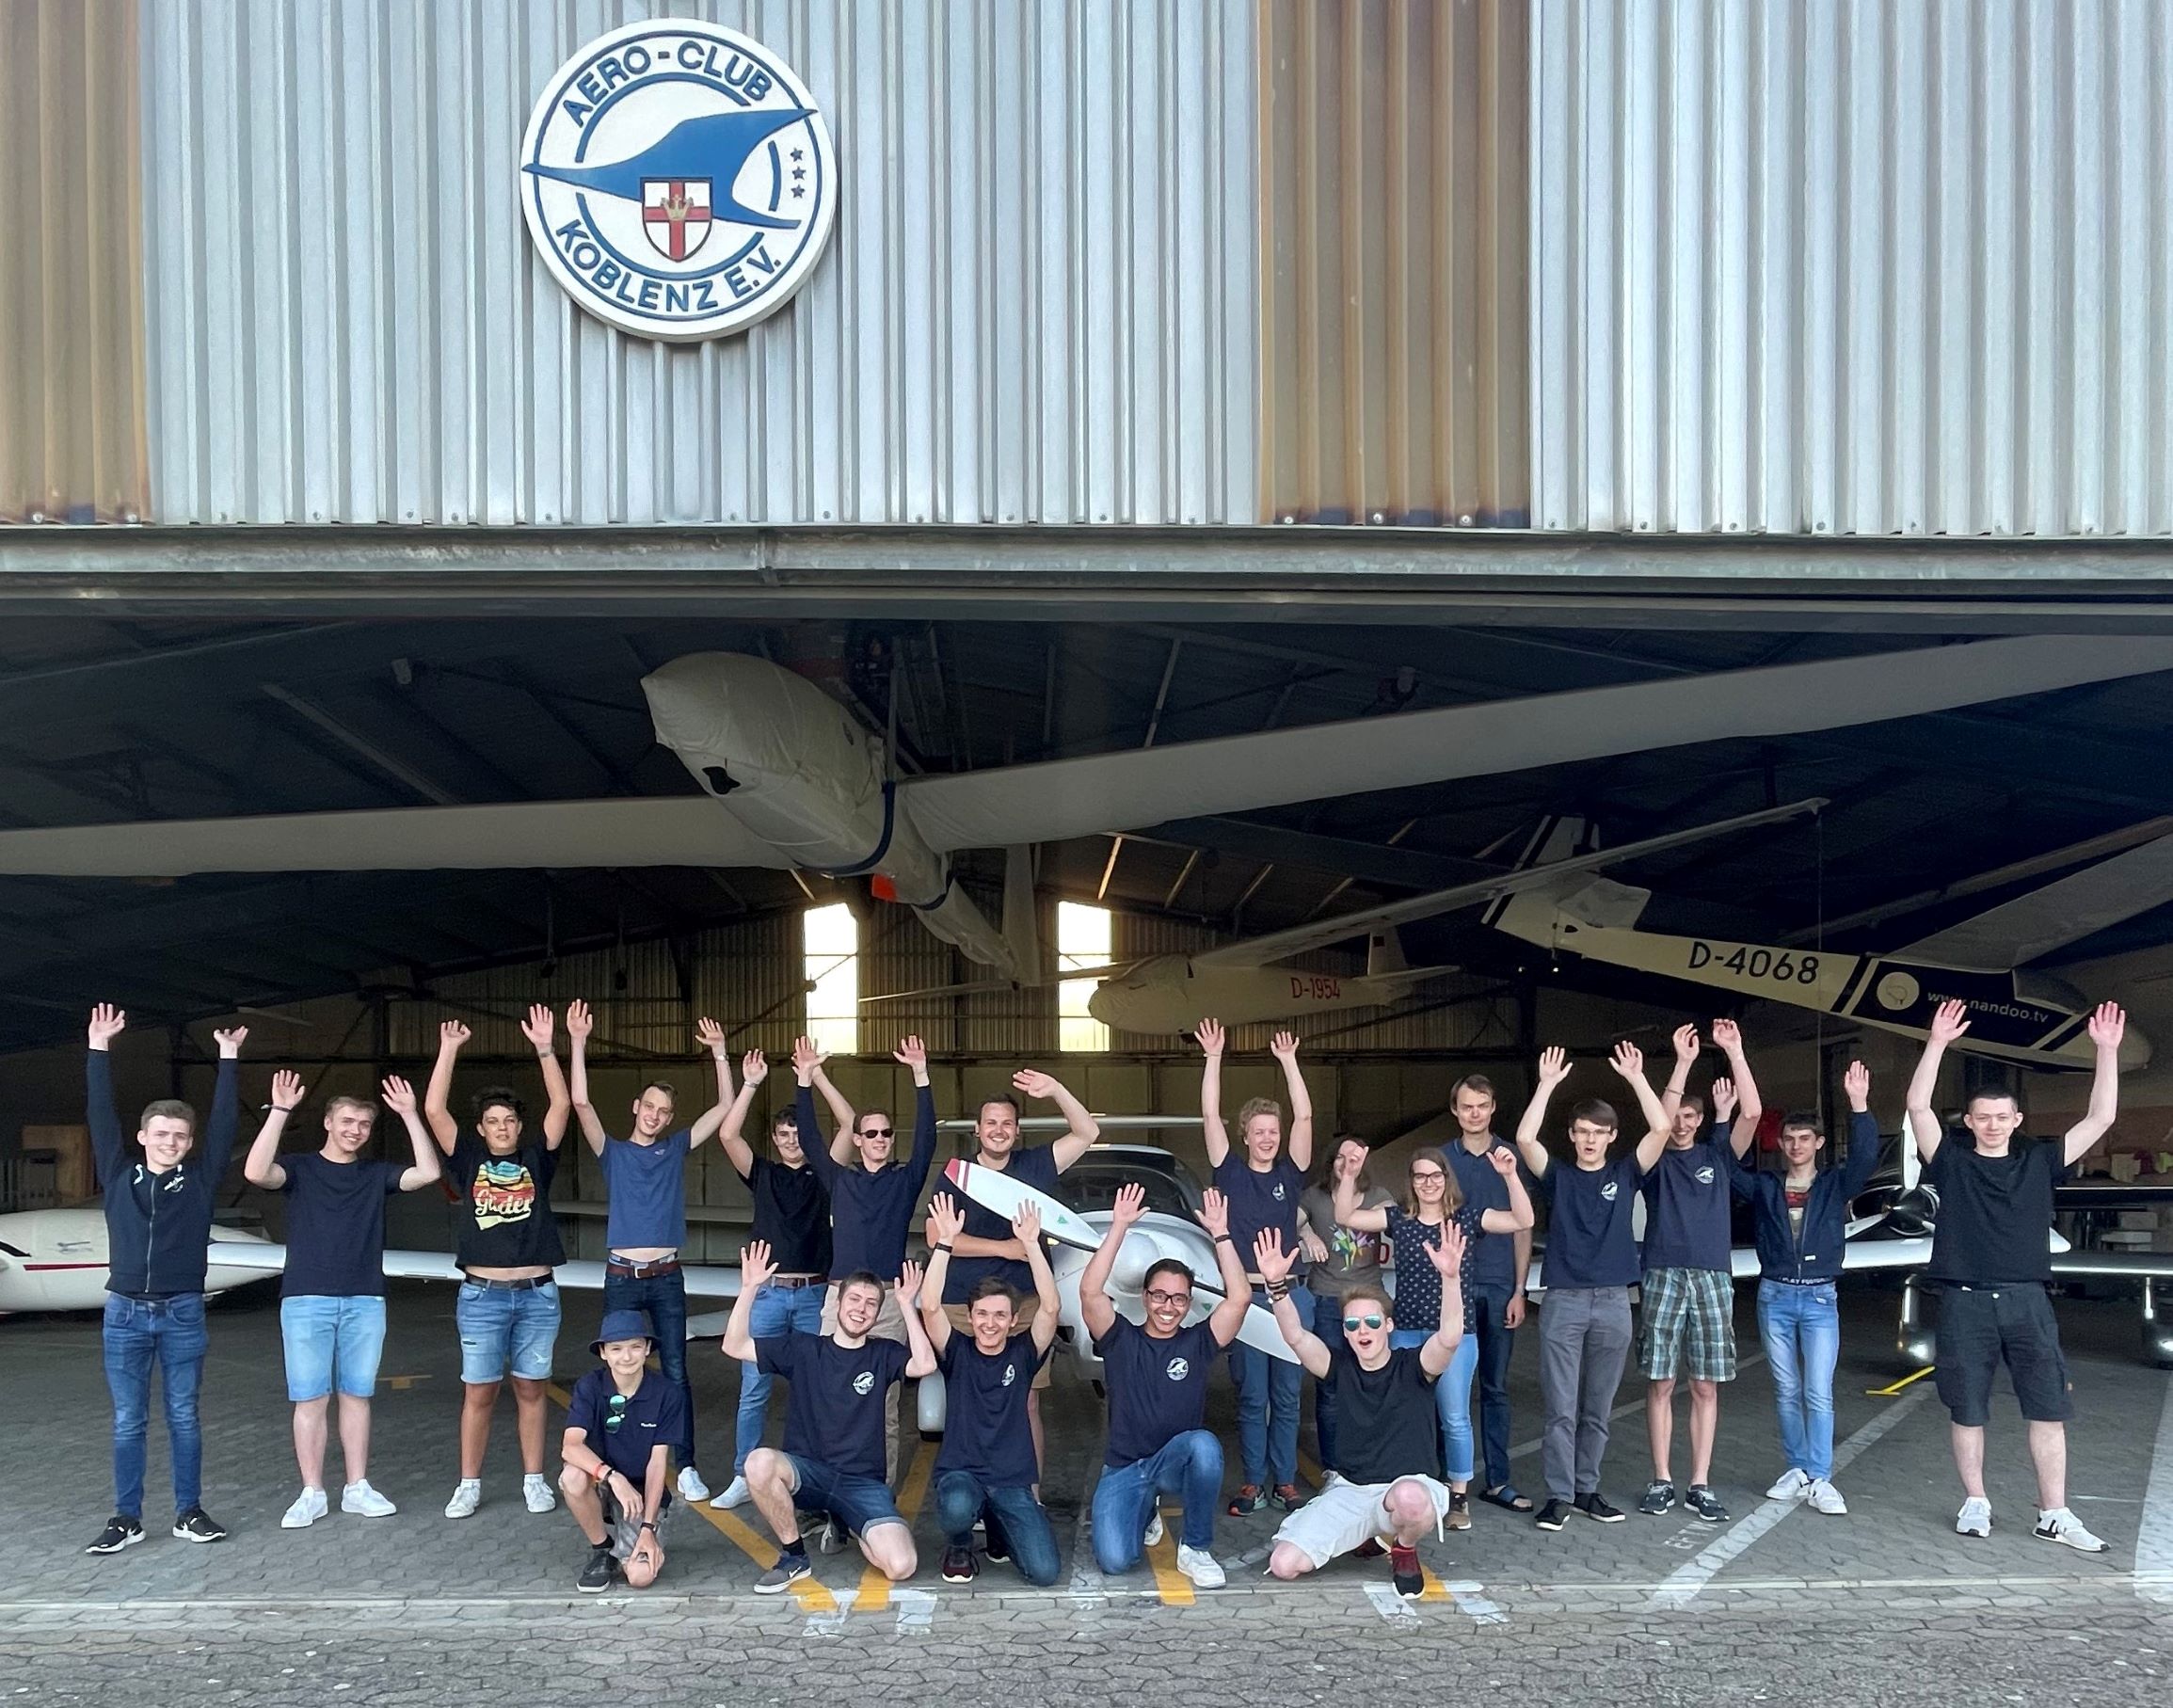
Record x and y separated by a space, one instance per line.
877 1132
1372 1319
614 1413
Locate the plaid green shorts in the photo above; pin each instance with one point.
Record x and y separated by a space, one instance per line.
1690 1325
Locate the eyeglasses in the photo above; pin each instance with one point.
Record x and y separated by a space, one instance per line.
614 1413
877 1132
1372 1319
1156 1296
1427 1174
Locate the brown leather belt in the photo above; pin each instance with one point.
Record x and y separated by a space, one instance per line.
789 1281
641 1271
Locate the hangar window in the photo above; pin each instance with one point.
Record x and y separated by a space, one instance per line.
1082 939
830 942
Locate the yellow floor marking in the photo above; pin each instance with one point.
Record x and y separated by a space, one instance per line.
1433 1591
1888 1392
1171 1585
875 1592
400 1384
750 1542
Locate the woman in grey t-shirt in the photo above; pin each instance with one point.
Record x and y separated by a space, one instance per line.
1352 1260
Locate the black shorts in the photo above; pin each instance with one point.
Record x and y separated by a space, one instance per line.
1979 1328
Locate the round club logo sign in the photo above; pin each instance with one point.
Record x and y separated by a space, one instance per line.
678 179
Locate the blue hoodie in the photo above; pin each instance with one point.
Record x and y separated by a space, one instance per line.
1816 1256
158 1225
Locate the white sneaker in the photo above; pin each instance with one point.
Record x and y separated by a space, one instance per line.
2061 1526
1154 1531
309 1506
467 1496
1976 1518
536 1491
691 1484
364 1501
1822 1497
736 1494
1792 1486
1200 1566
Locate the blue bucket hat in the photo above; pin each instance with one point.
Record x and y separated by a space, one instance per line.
622 1325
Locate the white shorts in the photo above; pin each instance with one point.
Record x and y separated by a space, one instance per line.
1345 1515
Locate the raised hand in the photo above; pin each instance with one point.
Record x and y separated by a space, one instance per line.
1214 1211
1350 1161
1210 1035
1025 1223
1686 1044
539 1026
2108 1026
1502 1160
1284 1047
756 1265
711 1036
1951 1020
1033 1082
1268 1256
399 1095
1628 1060
946 1221
106 1022
1132 1203
1857 1084
579 1021
806 1059
1724 1099
1448 1255
754 1067
1553 1066
287 1090
230 1039
911 1053
454 1032
907 1286
1728 1035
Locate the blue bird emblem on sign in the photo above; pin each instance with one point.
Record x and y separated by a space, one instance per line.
678 180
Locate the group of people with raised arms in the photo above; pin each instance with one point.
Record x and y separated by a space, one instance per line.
830 1303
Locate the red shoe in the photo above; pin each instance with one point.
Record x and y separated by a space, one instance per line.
1409 1574
1247 1500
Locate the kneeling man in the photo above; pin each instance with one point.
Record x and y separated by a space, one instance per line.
834 1443
620 1425
1387 1443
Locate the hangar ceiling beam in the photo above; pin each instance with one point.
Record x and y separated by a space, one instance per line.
1369 862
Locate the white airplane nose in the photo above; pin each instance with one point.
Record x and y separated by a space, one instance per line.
689 699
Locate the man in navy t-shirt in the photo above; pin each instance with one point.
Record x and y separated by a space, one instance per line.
1157 1376
832 1459
619 1428
332 1291
1589 1266
1262 1187
986 1466
644 1176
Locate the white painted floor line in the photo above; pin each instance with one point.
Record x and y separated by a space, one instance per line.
1088 1586
1471 1599
2154 1532
1630 1372
1684 1585
915 1611
1392 1608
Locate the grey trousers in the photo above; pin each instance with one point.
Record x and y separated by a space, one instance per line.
1584 1343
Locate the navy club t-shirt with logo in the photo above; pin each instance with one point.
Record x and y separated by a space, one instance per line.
986 1430
1588 1238
1687 1205
834 1411
1036 1167
336 1226
654 1412
1258 1200
1158 1388
508 1223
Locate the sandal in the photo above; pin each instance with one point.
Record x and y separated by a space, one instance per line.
1505 1496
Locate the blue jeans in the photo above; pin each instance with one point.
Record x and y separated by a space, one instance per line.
1496 1339
960 1496
1451 1399
775 1310
1188 1466
1267 1394
506 1328
1801 1329
172 1333
330 1337
664 1297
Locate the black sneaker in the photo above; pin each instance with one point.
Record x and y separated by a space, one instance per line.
789 1569
1554 1516
1405 1568
1594 1507
1659 1496
596 1576
120 1531
1705 1504
959 1566
196 1525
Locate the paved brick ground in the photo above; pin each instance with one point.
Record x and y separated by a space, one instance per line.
1886 1605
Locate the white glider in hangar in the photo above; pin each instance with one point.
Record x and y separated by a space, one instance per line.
790 780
